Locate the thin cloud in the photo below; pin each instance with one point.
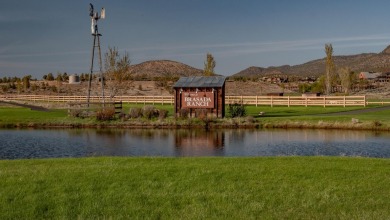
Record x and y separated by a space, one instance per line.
292 43
234 49
2 55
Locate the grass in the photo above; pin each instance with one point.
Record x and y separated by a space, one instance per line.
196 188
277 117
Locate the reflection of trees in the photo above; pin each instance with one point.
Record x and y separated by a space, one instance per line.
110 132
238 135
149 133
76 132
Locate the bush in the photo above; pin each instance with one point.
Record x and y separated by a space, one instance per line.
75 112
376 123
250 119
236 110
162 114
135 112
149 112
201 113
184 113
105 114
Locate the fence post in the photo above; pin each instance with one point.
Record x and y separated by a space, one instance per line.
324 101
364 100
257 100
288 98
272 101
344 101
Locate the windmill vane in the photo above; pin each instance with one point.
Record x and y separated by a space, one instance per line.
95 17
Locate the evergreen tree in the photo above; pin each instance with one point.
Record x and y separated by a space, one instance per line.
50 77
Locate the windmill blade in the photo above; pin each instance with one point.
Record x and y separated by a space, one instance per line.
103 13
91 9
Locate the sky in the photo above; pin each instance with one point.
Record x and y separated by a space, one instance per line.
52 36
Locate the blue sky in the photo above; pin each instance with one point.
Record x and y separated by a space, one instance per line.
38 37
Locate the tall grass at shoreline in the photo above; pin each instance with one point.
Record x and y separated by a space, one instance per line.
188 188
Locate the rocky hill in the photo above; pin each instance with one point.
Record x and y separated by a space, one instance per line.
163 68
360 62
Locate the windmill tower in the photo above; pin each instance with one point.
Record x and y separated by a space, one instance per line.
96 44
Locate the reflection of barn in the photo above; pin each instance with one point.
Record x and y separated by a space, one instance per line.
200 143
200 96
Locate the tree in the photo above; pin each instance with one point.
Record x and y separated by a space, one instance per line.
26 82
122 68
346 78
110 60
319 85
59 77
19 86
329 69
209 65
117 70
65 77
50 77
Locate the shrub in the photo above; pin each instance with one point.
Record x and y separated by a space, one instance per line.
123 116
135 112
250 119
376 123
236 110
162 114
105 114
75 112
53 89
5 88
184 113
201 113
149 112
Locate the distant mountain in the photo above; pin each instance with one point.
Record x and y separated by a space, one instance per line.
361 62
163 68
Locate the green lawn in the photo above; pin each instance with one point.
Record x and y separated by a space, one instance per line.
25 115
278 116
196 188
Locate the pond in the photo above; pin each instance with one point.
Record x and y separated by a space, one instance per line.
55 143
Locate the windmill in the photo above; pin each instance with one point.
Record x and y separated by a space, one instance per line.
96 44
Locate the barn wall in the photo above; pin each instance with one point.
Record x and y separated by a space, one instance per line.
219 102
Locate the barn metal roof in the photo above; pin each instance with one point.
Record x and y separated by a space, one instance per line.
200 82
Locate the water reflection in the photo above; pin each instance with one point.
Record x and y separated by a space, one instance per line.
191 142
199 143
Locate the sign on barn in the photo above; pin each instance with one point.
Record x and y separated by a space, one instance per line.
199 96
197 100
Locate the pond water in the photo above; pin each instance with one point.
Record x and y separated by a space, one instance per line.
17 144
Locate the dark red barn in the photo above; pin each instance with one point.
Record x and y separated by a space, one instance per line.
200 96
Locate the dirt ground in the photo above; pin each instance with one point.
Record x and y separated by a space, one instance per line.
145 88
152 88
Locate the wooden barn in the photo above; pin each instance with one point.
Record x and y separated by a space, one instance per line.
200 96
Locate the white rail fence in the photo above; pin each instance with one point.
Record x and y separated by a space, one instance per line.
247 100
